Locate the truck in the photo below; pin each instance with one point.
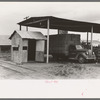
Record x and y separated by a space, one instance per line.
68 46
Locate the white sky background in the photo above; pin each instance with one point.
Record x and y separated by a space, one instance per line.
14 12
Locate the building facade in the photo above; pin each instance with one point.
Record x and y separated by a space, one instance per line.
27 46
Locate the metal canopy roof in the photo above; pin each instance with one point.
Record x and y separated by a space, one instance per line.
59 23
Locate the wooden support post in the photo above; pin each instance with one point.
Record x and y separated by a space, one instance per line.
0 49
20 28
48 26
26 19
87 39
58 31
92 39
26 28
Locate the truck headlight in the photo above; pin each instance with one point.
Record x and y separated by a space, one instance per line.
87 53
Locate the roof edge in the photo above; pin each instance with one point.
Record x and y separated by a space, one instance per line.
12 34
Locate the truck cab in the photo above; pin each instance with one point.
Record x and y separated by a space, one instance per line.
77 52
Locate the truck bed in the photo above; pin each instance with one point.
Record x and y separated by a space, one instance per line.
59 43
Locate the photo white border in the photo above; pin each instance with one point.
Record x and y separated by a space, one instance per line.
43 89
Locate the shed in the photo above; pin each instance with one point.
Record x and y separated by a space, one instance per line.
27 46
51 22
5 46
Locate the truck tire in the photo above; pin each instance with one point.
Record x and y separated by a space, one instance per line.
81 59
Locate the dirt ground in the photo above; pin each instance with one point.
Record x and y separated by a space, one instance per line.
53 70
66 70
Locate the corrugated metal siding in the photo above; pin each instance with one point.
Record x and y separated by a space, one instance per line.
30 35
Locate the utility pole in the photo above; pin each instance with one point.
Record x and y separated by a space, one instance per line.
26 19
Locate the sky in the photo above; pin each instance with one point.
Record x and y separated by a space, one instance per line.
14 12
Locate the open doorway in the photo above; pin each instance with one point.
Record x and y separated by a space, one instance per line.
31 49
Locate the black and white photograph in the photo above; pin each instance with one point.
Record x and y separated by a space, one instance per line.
50 41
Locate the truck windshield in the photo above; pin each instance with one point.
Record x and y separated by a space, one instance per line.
78 47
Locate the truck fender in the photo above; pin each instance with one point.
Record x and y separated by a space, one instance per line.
80 54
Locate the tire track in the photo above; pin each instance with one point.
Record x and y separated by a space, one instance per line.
26 72
10 69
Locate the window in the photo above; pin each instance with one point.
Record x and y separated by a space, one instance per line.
78 47
24 47
6 49
15 48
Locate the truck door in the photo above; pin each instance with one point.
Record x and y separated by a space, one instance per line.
72 51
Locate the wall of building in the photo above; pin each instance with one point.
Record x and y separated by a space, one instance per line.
40 45
24 50
40 50
5 52
16 49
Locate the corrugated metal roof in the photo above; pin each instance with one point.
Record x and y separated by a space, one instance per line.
61 23
30 35
4 40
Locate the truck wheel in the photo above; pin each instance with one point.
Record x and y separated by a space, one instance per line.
81 59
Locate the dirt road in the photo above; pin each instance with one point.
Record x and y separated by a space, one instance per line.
9 70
